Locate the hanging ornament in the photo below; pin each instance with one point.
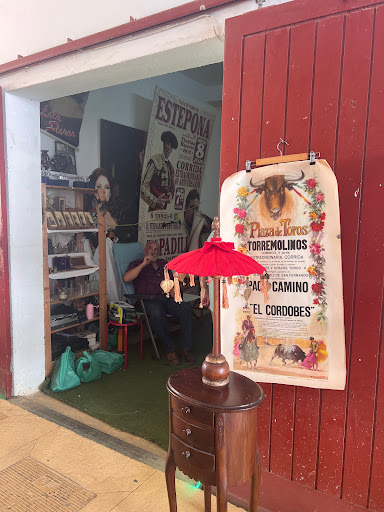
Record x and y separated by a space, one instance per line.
167 284
177 296
265 286
202 291
225 294
181 278
247 292
229 279
191 280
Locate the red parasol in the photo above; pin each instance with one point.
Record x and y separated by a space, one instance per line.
219 260
216 258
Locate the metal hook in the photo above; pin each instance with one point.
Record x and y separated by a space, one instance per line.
284 142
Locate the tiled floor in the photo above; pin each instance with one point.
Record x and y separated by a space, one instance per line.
118 482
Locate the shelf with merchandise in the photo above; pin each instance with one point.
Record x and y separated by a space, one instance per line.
67 274
75 297
69 287
88 230
53 331
72 189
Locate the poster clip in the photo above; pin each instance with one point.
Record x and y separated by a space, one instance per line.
248 164
312 157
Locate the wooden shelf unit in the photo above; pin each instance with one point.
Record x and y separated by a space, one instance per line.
102 293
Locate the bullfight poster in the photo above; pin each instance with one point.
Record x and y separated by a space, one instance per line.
173 167
286 216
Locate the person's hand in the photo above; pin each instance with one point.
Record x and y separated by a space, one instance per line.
160 203
146 261
165 198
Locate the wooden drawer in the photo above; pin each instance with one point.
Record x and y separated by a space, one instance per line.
194 436
195 463
192 412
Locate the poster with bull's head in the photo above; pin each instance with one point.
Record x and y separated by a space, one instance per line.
286 216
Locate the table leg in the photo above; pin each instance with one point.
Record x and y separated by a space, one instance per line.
221 465
125 346
207 498
221 496
255 486
170 470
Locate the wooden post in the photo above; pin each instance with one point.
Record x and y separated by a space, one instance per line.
47 295
102 281
216 350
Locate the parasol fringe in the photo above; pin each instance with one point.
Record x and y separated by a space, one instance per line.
176 285
191 280
225 295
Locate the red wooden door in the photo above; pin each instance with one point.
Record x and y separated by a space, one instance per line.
312 73
5 331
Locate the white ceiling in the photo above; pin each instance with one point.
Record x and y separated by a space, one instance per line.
211 75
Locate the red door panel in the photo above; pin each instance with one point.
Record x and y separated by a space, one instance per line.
324 126
366 312
252 97
275 87
372 186
312 74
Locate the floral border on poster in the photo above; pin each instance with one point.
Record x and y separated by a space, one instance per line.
316 270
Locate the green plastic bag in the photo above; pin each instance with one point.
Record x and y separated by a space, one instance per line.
109 361
91 372
64 376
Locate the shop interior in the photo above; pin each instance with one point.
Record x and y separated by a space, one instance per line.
77 294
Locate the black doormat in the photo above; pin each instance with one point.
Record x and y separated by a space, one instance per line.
136 400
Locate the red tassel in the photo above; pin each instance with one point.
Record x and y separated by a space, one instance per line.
191 280
225 295
177 296
229 279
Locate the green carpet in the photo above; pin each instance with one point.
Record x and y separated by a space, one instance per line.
136 400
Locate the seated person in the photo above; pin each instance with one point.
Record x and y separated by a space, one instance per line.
147 276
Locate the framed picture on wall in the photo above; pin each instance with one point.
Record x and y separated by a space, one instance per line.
51 221
64 159
76 219
60 220
89 218
83 220
68 219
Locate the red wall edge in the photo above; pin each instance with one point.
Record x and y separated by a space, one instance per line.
5 323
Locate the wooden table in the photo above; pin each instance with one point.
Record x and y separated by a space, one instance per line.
213 435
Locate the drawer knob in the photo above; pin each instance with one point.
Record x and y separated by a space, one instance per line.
186 410
187 431
186 454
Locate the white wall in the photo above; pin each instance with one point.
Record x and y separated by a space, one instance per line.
25 242
44 26
130 105
29 26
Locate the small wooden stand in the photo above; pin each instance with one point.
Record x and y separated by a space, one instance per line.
213 435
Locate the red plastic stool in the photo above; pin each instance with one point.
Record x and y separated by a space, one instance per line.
125 325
